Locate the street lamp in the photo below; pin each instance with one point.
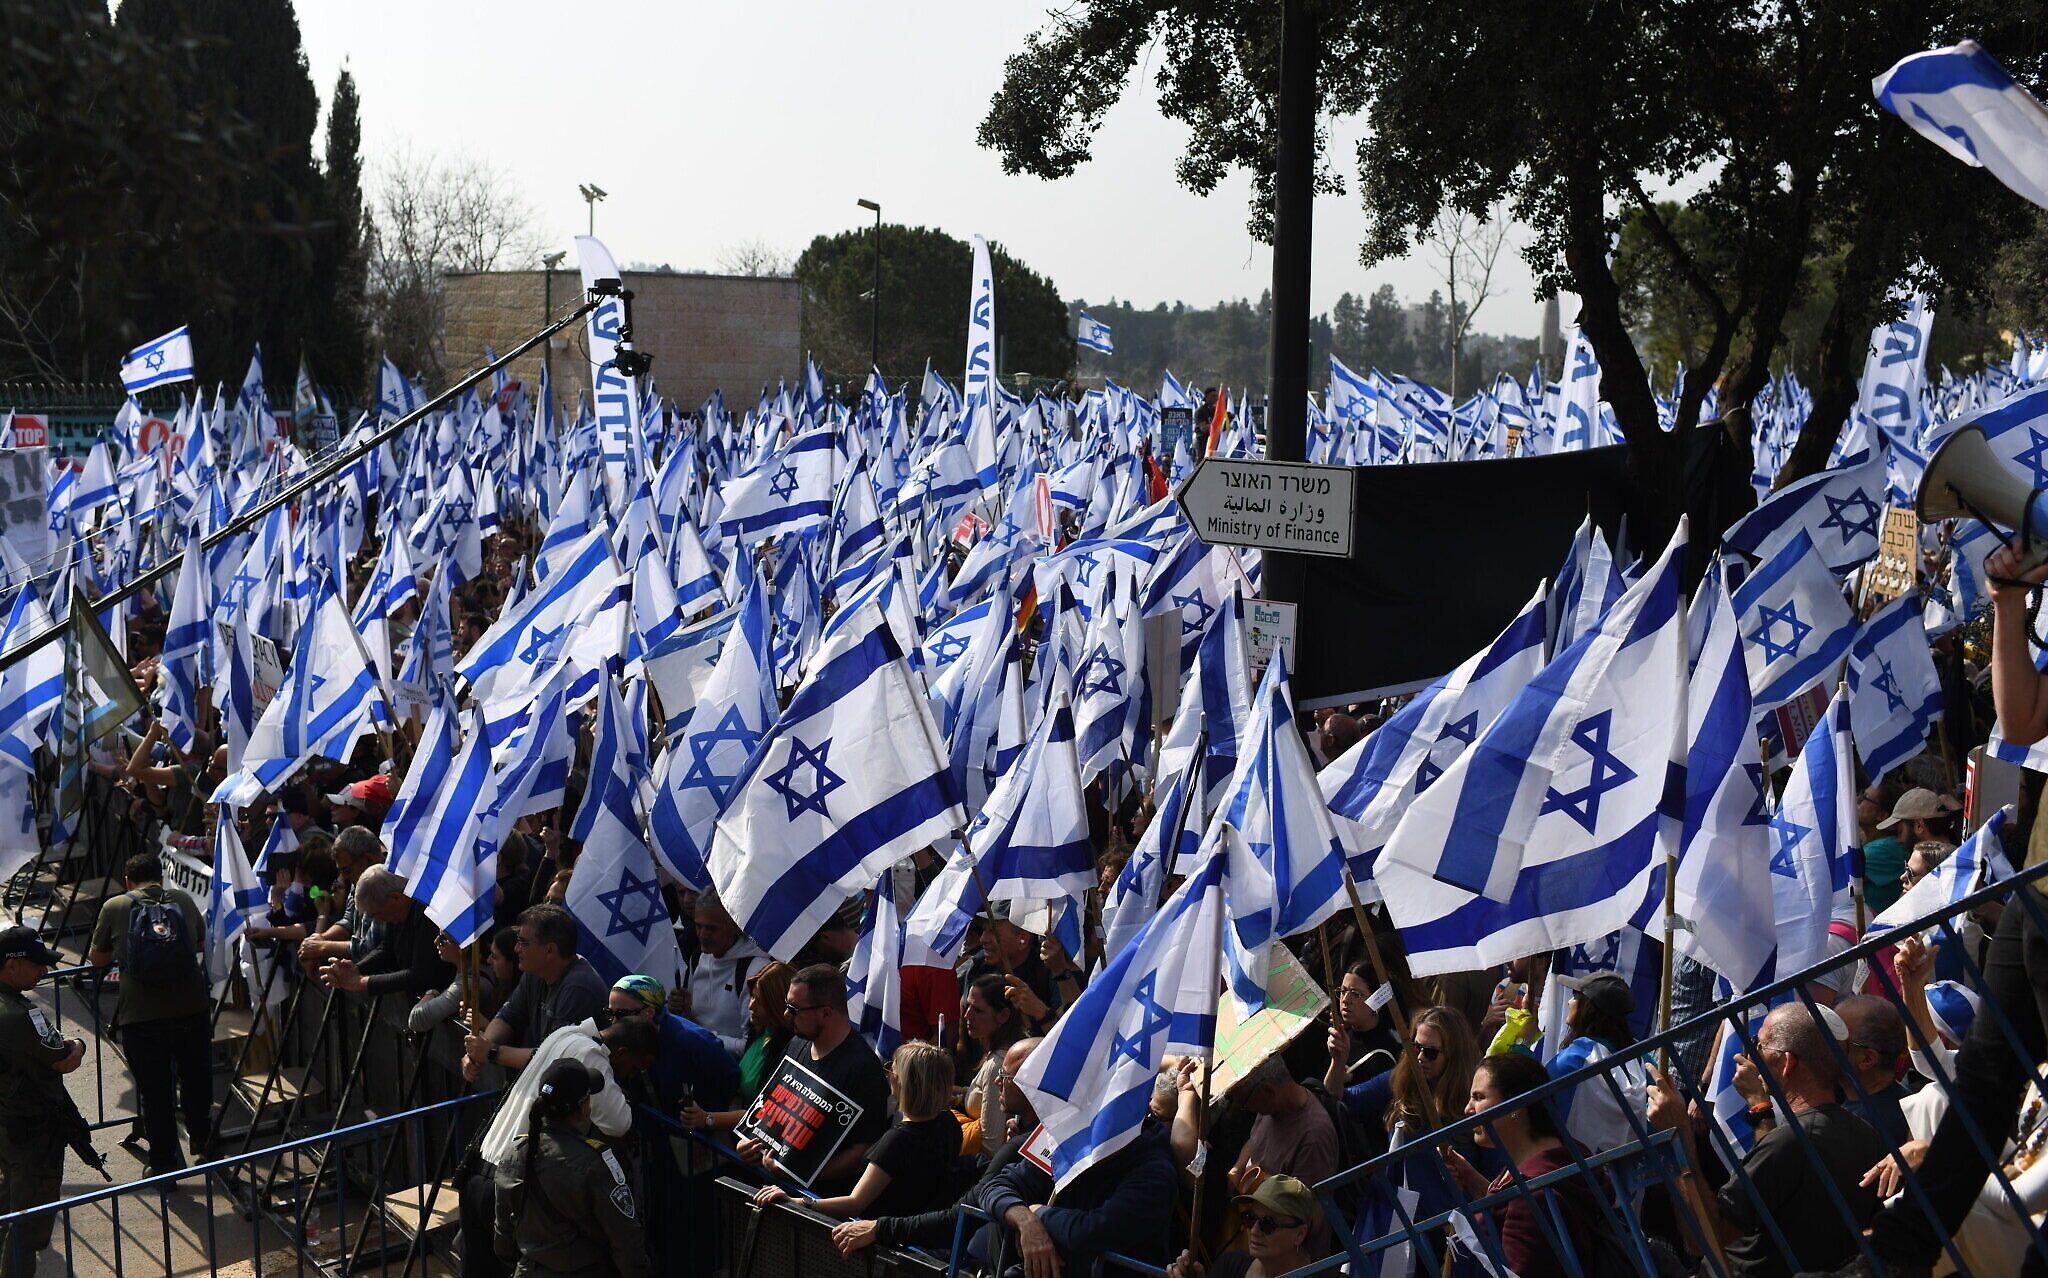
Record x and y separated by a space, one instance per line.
875 306
547 306
591 195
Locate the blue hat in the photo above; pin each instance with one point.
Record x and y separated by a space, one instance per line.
1954 1006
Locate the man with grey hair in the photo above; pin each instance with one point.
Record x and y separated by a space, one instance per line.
404 958
1293 1135
1779 1169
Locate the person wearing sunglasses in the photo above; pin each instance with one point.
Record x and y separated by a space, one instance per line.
1278 1217
827 1045
690 1064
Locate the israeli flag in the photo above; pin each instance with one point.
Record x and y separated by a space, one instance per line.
1894 692
417 805
1811 836
728 719
1094 334
789 492
1976 865
1722 892
1893 373
874 975
1090 1080
1795 624
233 894
31 688
1555 807
852 778
167 359
186 636
455 886
322 710
1373 782
586 587
1961 100
622 923
1841 512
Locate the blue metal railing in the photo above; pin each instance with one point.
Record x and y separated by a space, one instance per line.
1660 1154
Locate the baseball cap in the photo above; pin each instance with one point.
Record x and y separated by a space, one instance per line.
1283 1196
1603 990
1919 805
22 942
372 793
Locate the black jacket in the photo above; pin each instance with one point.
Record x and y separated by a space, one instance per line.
404 960
1123 1204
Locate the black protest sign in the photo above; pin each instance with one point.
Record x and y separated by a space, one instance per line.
802 1119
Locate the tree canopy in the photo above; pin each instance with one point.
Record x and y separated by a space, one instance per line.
925 280
1578 117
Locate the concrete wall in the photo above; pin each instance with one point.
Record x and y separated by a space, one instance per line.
706 332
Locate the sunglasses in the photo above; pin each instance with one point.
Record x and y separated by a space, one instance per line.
1257 1223
792 1010
1424 1052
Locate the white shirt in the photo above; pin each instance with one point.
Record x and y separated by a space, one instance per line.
609 1111
718 992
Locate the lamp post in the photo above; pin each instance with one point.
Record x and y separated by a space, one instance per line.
547 306
875 298
591 195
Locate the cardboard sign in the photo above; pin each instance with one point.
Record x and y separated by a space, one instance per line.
802 1119
25 502
1896 569
1269 628
1293 1001
268 675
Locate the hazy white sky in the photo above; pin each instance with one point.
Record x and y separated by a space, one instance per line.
715 123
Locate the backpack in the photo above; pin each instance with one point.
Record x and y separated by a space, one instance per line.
159 943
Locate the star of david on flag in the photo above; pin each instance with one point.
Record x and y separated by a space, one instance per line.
621 922
1894 691
1840 510
791 846
1091 1079
1812 833
1796 625
1546 832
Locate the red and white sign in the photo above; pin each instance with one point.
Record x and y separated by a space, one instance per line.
151 434
1041 505
31 430
969 529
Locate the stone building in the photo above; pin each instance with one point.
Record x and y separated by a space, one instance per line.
735 333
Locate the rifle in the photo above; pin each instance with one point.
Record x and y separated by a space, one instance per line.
78 1135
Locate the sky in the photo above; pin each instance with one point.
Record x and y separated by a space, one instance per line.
714 124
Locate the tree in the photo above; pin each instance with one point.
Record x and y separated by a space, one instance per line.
241 58
926 276
1465 248
754 257
1347 331
1387 344
1573 115
338 344
94 133
435 217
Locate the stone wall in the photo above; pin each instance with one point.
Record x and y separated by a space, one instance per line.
706 332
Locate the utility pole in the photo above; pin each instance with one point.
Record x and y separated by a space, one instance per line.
1293 214
875 297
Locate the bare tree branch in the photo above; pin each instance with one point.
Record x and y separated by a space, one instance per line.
754 257
1465 247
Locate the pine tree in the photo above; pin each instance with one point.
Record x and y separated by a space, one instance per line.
338 341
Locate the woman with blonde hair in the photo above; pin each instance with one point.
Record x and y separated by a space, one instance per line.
910 1169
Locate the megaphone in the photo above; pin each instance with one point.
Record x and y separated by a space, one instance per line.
1966 480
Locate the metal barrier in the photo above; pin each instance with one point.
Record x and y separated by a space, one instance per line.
385 1177
1619 1179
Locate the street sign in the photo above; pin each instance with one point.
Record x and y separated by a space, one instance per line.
1271 505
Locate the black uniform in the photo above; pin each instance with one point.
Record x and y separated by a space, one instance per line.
32 1137
575 1218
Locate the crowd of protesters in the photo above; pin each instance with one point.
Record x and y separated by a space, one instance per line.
1852 1088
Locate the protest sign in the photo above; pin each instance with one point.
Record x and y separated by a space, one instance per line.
1269 628
1293 1001
802 1119
268 674
25 502
1176 428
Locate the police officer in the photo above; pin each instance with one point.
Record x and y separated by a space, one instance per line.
33 1060
565 1209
